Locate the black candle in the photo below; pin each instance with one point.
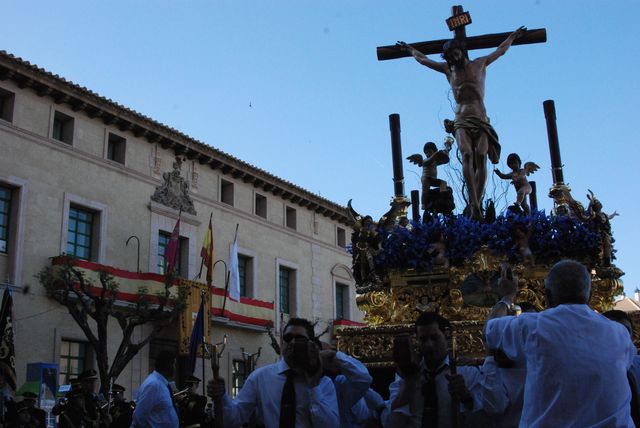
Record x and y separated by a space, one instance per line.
396 153
533 197
415 205
554 144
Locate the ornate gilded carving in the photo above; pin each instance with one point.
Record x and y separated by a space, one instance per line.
174 191
393 309
374 345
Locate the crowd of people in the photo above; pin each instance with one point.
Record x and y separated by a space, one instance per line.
566 366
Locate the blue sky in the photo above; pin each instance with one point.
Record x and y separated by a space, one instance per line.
294 87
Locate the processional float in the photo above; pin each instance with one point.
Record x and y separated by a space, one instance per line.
448 263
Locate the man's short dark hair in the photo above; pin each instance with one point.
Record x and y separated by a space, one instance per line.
164 360
302 323
429 318
569 282
618 316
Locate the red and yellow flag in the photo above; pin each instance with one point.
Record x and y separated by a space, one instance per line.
207 253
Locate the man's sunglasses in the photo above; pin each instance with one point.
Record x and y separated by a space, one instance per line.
290 336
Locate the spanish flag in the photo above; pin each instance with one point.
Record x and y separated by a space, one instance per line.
207 253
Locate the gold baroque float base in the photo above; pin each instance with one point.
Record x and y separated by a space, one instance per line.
463 295
374 345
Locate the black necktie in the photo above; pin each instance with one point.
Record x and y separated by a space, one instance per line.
430 394
173 401
288 403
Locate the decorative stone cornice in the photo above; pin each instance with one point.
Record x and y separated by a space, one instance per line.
62 91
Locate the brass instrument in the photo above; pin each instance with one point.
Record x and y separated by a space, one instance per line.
179 395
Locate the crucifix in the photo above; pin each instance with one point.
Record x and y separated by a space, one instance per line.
476 138
457 22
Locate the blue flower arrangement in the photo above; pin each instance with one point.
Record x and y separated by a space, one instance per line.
550 238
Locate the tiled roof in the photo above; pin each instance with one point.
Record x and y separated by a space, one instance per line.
627 305
45 83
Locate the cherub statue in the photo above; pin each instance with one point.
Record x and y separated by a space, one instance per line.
438 249
603 226
365 247
429 164
521 236
518 177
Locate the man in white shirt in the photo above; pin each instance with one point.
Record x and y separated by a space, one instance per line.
576 359
290 393
421 394
155 407
351 380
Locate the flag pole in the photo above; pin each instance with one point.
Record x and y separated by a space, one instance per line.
203 295
226 285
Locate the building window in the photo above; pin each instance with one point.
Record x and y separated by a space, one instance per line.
261 205
342 301
62 128
6 105
239 376
116 148
80 232
183 253
290 218
285 280
341 237
72 360
226 192
245 270
5 209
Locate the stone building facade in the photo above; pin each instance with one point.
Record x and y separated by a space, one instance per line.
77 175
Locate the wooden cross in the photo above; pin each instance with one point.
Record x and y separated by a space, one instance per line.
457 22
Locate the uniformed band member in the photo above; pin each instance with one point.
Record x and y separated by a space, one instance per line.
38 416
192 405
70 410
80 406
120 410
24 419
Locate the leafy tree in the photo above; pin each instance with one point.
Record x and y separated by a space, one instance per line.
88 301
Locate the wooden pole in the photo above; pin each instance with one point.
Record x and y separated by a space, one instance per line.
205 307
218 421
453 368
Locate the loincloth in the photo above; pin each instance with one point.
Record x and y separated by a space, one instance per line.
476 127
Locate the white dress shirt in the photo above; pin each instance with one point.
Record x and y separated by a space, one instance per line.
351 386
371 406
577 362
503 393
410 415
154 404
262 394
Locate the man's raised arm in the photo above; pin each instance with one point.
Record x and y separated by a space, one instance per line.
422 58
504 46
